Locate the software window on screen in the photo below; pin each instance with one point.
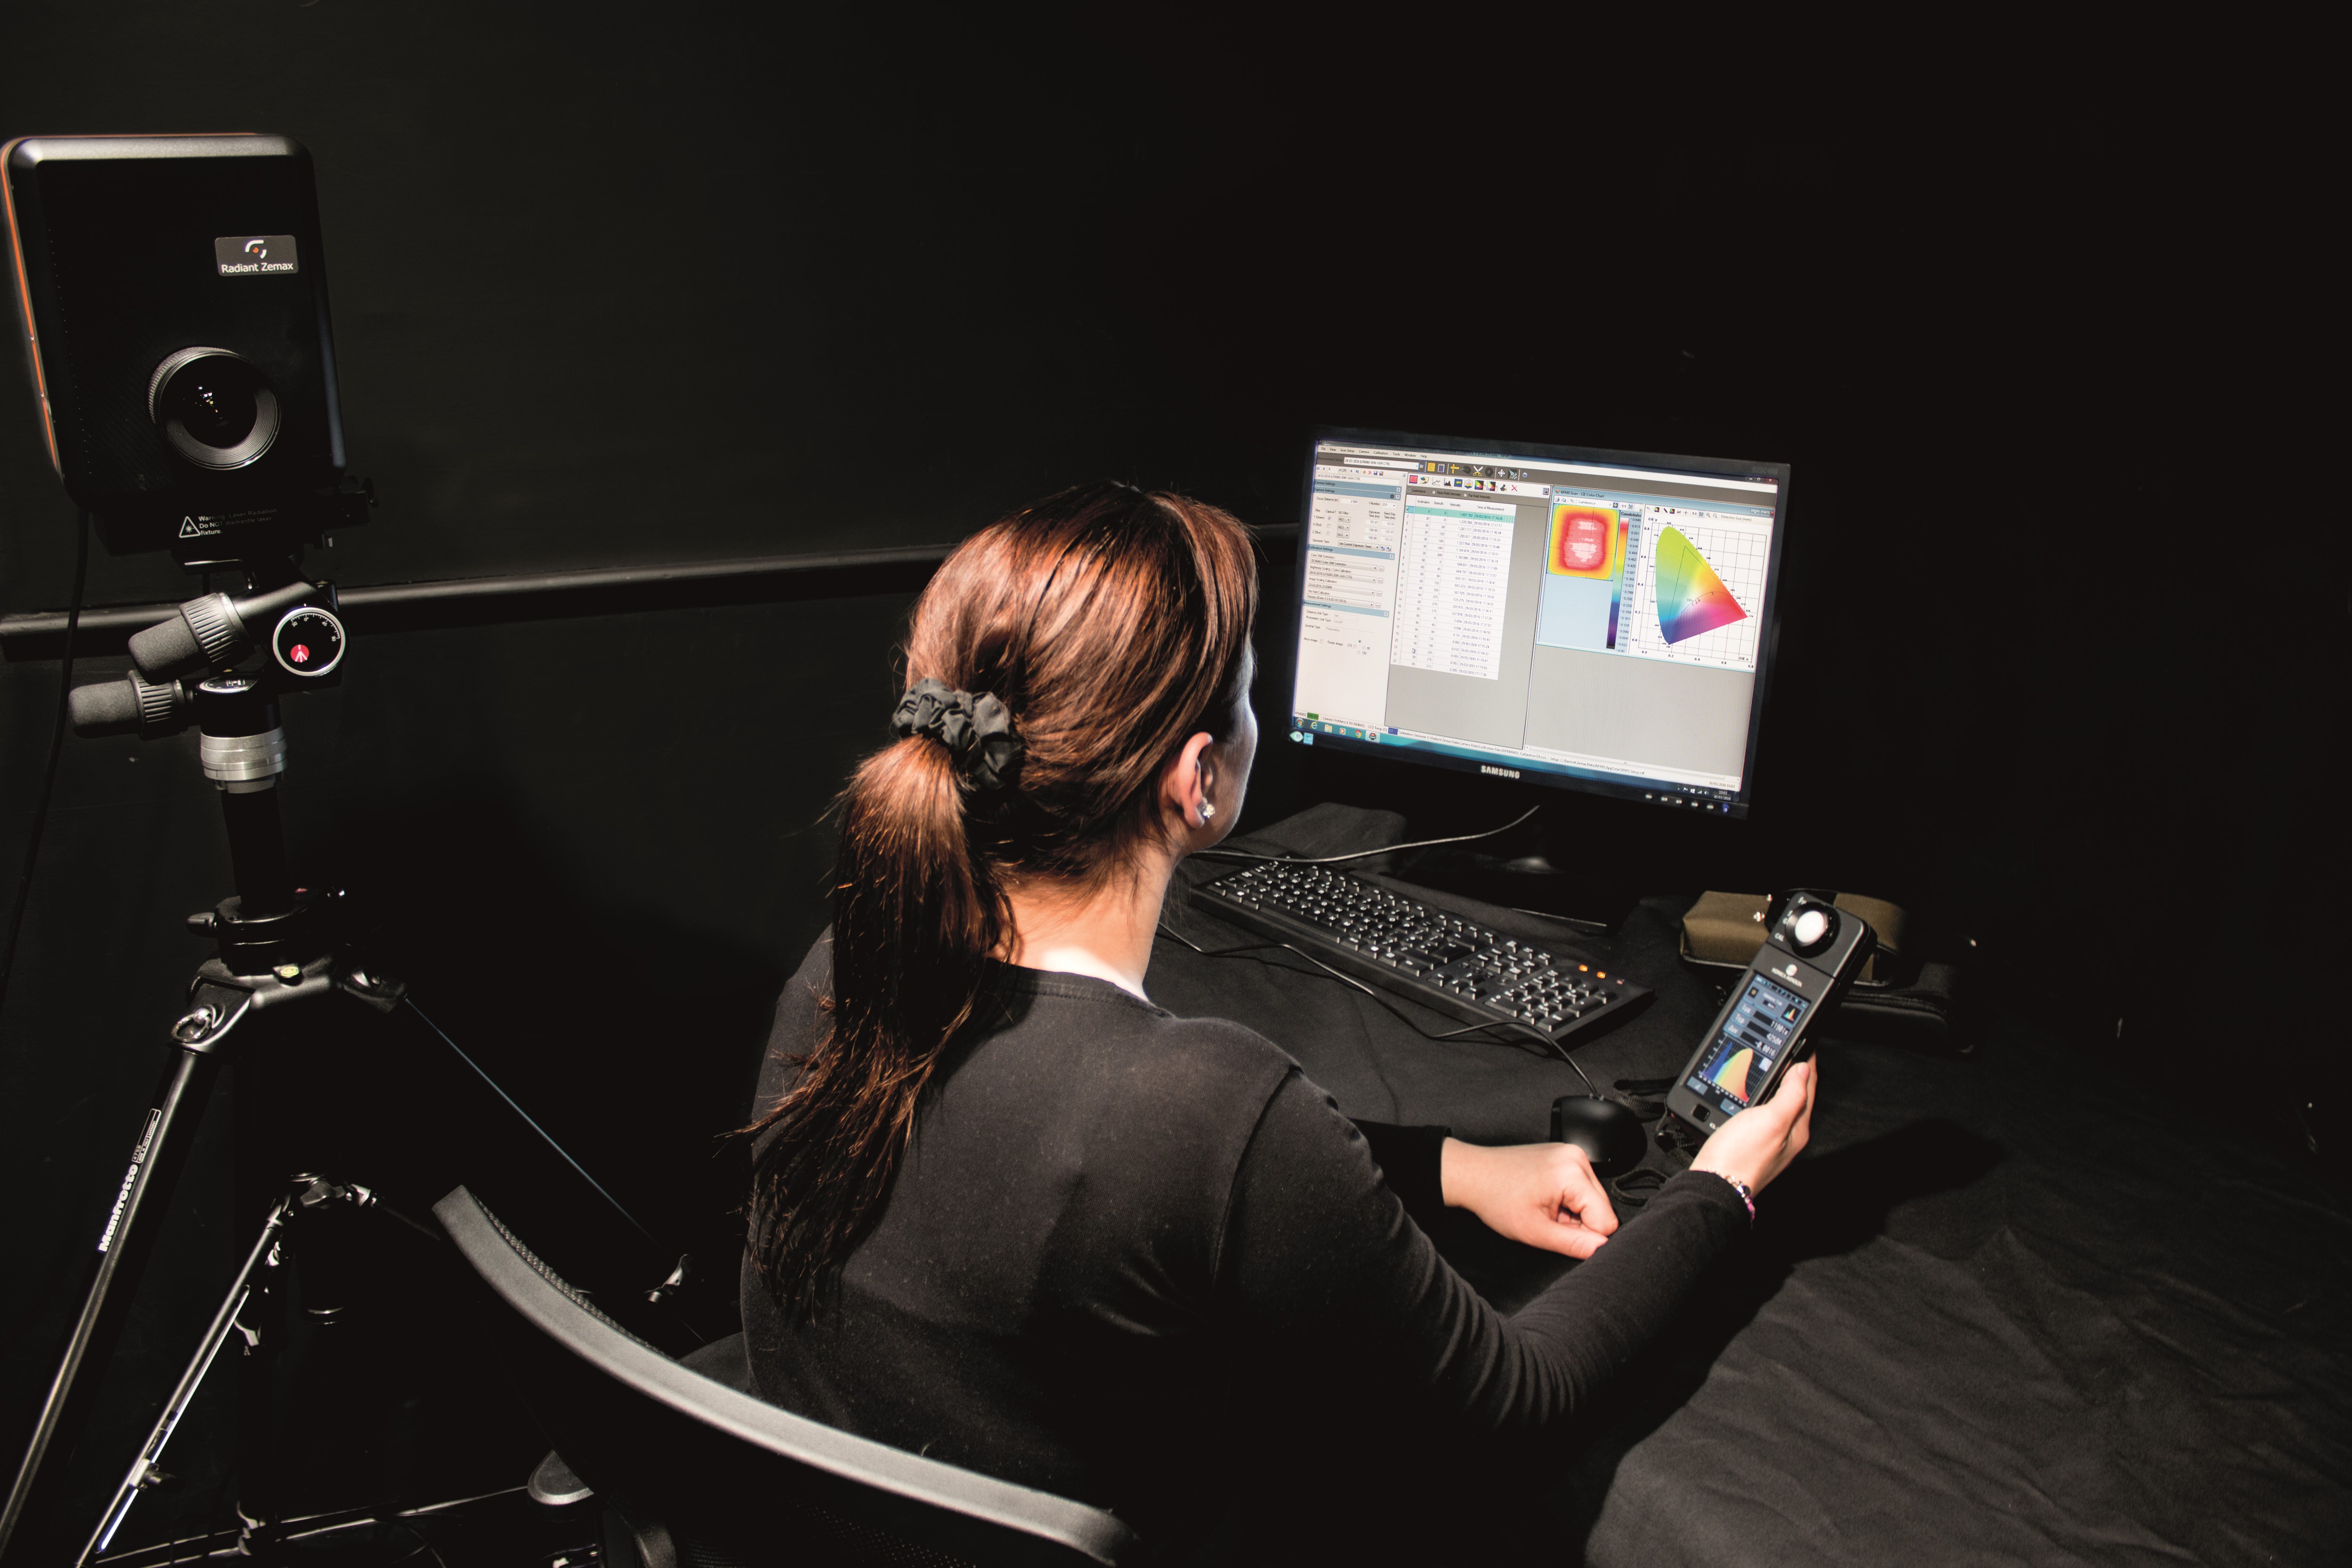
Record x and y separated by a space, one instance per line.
1582 618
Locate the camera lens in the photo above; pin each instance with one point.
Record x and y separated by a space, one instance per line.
213 406
213 401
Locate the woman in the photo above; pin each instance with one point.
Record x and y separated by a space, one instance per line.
1007 1212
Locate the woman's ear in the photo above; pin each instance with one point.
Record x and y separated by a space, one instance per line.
1185 785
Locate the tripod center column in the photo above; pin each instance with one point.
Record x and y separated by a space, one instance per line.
244 751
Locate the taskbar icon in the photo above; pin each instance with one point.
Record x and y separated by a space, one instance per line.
1305 729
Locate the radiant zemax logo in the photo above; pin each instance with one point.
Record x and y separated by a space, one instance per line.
254 255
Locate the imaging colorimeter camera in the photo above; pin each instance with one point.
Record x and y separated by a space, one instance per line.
1812 951
173 291
174 296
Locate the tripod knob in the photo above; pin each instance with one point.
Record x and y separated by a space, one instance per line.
205 632
212 631
308 642
131 705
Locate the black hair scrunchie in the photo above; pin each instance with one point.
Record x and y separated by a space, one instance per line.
977 731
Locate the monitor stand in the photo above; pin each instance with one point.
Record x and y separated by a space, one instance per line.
1526 871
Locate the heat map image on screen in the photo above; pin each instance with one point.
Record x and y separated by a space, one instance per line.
1586 541
1691 598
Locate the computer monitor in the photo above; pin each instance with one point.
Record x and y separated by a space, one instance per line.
1591 620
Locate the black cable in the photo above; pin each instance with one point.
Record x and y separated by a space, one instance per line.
534 1126
424 1546
1251 950
1363 854
49 775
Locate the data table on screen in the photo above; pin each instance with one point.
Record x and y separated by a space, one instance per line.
1453 578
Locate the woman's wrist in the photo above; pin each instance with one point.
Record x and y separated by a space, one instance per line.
1746 1194
1468 1173
1454 1159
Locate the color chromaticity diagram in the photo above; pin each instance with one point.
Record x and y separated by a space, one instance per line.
1691 598
1732 1076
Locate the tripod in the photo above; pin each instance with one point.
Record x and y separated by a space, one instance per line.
307 1196
276 953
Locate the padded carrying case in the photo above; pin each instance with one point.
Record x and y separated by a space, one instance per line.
1899 999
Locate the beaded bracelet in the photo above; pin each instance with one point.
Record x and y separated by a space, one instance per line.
1737 1186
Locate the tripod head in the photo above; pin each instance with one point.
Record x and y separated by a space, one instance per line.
293 618
184 673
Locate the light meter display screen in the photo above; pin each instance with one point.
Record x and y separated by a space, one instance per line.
1755 1036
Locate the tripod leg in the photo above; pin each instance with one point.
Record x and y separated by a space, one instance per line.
260 1486
224 1324
123 1248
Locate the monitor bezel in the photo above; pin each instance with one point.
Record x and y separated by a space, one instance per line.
1767 644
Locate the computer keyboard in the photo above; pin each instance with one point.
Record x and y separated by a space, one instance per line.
1419 952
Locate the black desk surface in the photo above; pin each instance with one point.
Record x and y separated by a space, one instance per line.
2015 1308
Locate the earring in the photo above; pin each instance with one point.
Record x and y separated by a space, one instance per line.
1207 811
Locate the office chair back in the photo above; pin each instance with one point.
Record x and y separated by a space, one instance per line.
708 1476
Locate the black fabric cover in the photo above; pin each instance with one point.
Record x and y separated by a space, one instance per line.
2026 1307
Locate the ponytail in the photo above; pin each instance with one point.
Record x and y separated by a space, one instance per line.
1110 624
915 918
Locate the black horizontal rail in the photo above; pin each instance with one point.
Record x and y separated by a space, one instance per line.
544 595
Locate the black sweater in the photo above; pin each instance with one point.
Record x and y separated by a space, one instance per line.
1116 1230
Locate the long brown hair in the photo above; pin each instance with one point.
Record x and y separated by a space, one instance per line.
1113 623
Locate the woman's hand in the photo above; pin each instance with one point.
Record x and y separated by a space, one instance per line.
1542 1194
1758 1144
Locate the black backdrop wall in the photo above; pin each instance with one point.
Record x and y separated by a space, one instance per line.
644 286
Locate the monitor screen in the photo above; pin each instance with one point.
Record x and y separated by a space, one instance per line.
1595 620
